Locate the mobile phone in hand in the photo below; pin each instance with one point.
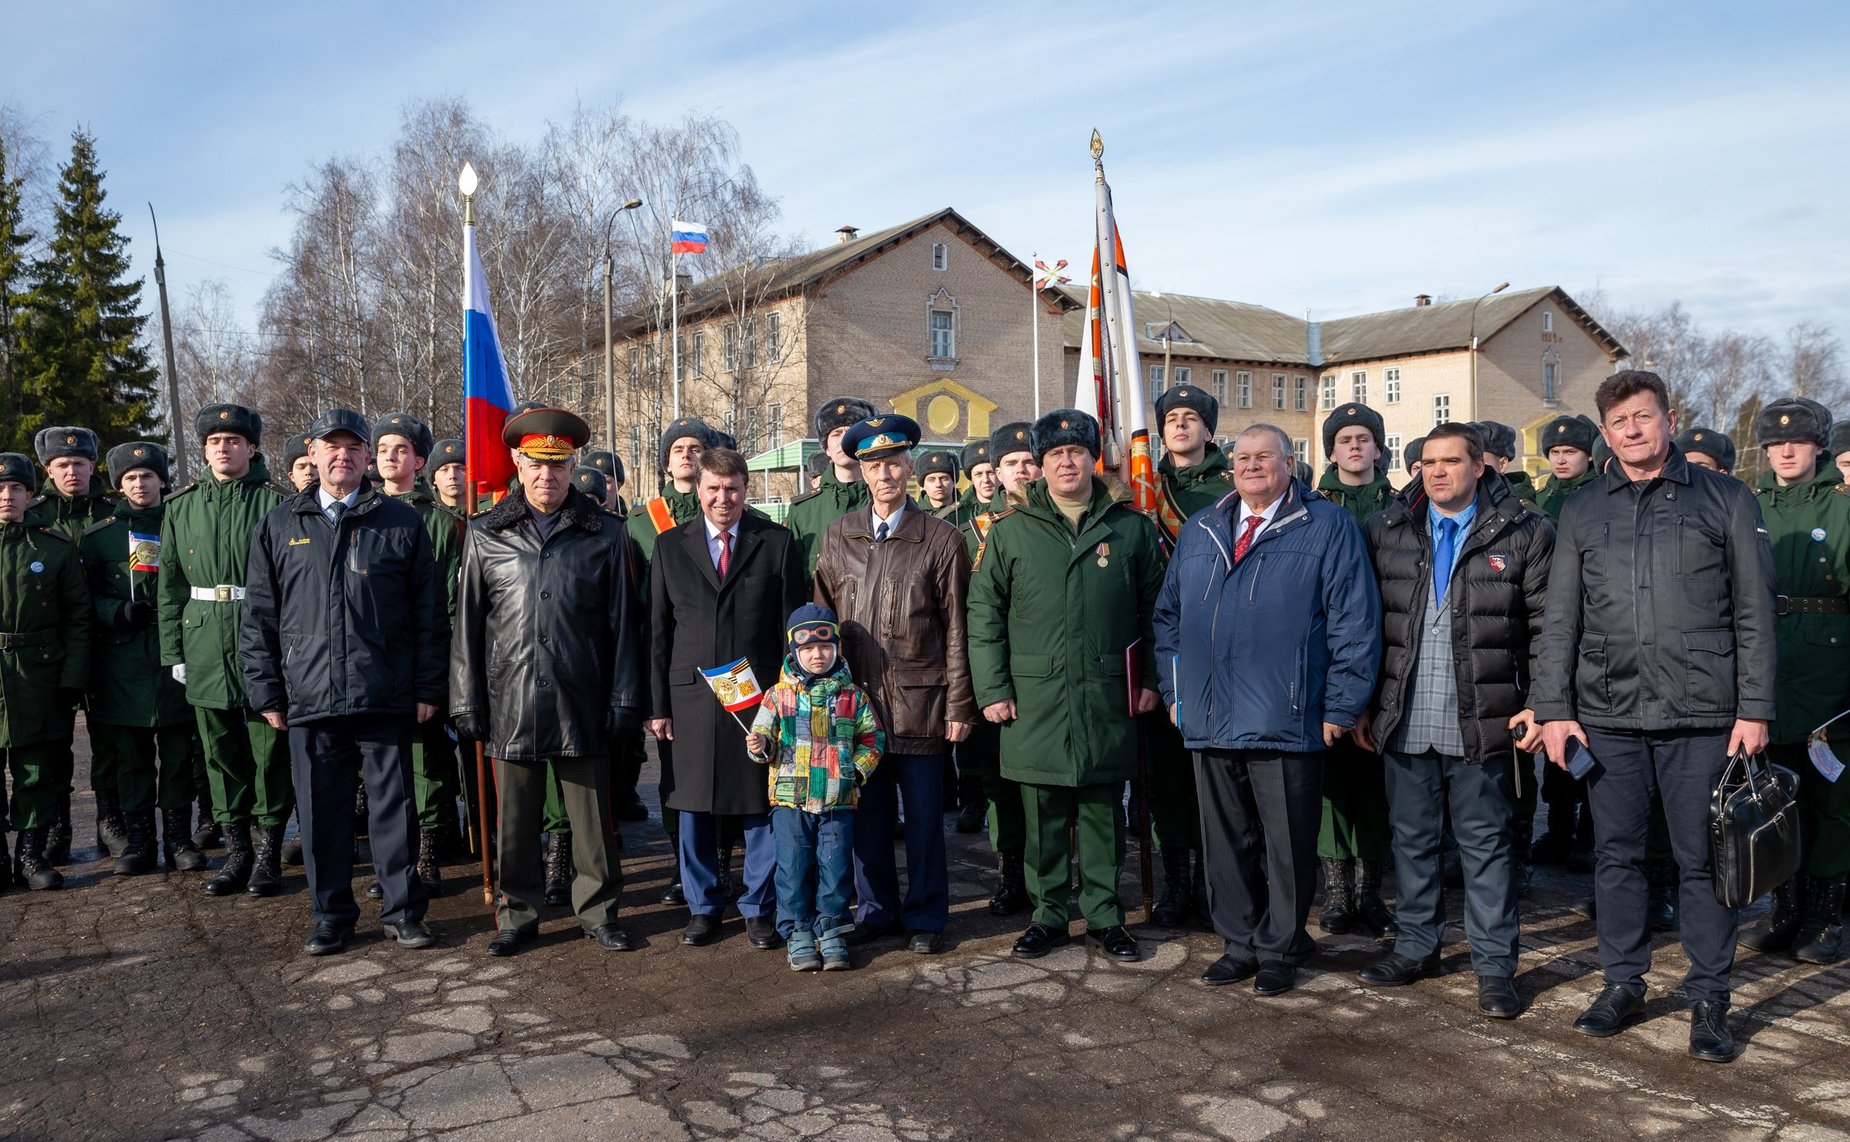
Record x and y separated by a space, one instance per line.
1579 759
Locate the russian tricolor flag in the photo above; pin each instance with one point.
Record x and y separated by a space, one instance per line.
487 396
688 238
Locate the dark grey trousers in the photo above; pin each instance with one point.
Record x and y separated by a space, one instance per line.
521 788
1419 787
1260 813
325 756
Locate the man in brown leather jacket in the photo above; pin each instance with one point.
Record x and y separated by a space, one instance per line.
896 577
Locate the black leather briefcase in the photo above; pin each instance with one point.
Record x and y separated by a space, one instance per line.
1753 829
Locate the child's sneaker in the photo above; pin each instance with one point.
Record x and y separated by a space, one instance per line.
835 948
802 952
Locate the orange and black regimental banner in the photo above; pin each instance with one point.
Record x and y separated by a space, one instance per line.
659 515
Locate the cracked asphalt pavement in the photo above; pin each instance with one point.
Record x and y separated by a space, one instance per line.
138 1007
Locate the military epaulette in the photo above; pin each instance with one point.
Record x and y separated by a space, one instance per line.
809 495
186 491
1841 489
51 533
100 525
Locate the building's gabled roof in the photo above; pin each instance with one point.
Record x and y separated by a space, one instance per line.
1443 326
1220 330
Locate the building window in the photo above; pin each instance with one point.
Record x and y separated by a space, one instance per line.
729 348
1441 409
940 255
943 335
1278 390
1217 380
1548 321
680 360
774 337
1300 450
1392 380
1300 394
1358 386
1243 389
1551 375
1329 391
1156 381
1393 451
698 364
751 342
774 425
636 366
1180 375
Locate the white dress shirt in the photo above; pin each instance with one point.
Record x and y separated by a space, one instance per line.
713 540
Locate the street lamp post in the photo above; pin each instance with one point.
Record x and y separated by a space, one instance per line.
1476 413
610 349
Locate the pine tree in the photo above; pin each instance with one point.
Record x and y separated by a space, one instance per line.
83 356
13 288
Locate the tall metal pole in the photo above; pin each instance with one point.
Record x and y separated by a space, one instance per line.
1034 325
674 328
181 460
1480 301
610 360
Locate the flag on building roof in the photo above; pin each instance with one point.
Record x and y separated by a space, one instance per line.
688 237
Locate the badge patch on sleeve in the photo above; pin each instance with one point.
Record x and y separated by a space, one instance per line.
1498 563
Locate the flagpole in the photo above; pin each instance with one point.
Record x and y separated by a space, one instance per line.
1034 327
674 329
467 183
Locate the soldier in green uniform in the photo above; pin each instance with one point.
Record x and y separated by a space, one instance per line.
1807 512
1707 448
628 754
44 667
1013 470
142 736
1064 584
972 792
1840 448
1410 460
610 465
449 475
938 485
73 498
298 468
402 447
1194 472
841 490
1353 842
1567 442
978 467
205 545
1500 453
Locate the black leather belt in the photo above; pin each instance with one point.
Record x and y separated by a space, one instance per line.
30 638
1812 605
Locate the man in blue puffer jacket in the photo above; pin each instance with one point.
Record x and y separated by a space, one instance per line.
1274 587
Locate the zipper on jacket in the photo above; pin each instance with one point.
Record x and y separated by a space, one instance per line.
1252 592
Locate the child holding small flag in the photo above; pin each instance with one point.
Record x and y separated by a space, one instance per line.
817 731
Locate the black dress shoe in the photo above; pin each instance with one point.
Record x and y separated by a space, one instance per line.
1709 1037
672 895
922 943
1275 978
509 941
328 939
1617 1008
610 938
762 932
410 933
1038 940
868 933
1497 997
375 891
1116 942
702 929
1396 970
1230 968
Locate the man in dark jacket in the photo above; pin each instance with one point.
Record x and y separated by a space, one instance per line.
1355 809
896 579
142 735
1060 602
1658 656
720 586
545 670
1463 568
1279 580
841 490
344 641
1807 515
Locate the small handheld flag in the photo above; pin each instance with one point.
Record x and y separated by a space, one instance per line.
144 551
688 237
735 686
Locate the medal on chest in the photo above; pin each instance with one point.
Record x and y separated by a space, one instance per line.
1104 554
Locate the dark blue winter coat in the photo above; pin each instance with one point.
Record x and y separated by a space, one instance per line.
1260 654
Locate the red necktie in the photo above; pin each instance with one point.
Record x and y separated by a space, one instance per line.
1253 524
725 552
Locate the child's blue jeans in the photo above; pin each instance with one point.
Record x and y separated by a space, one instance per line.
815 868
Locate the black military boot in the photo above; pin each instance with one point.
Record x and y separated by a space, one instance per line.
1775 933
1661 906
362 824
111 825
6 862
1011 885
1522 864
1171 910
725 872
292 848
35 872
58 834
137 857
266 877
1371 912
235 873
430 872
207 835
177 846
1338 896
559 871
975 812
1820 938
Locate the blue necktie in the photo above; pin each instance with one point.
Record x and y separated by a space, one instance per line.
1444 555
880 533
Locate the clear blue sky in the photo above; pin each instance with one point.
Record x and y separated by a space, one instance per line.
1336 158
